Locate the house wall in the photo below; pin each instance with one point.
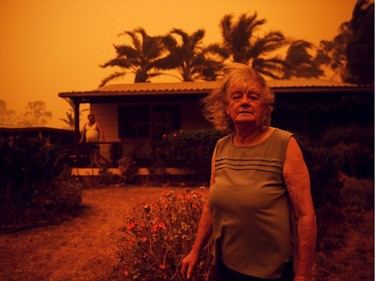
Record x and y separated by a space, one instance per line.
107 115
314 113
191 117
305 112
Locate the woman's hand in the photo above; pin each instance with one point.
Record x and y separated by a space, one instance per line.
301 279
188 264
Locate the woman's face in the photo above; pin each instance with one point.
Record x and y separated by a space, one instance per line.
245 102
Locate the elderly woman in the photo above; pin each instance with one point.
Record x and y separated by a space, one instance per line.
259 211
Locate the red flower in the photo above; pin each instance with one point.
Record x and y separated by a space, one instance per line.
130 226
162 266
157 226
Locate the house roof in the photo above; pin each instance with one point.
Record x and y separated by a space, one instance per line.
204 87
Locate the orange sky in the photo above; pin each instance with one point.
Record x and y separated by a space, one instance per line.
52 46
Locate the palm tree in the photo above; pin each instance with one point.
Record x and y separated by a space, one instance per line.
187 56
332 53
70 120
299 63
241 45
140 58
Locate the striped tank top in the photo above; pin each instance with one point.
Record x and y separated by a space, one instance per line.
252 223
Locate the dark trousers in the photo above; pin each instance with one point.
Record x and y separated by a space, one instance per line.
223 273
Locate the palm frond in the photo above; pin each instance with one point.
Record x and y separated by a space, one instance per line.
111 77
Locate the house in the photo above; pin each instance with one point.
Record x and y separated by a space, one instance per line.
134 114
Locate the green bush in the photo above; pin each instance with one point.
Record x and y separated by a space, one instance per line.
342 150
357 194
349 134
128 169
323 167
191 150
341 171
34 183
158 235
25 162
353 145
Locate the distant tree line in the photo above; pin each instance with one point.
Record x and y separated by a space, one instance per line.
35 115
184 56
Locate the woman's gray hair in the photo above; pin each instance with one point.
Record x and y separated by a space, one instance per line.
214 104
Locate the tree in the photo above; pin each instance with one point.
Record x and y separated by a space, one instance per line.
300 63
35 115
240 44
360 48
70 120
187 56
7 116
332 53
351 53
140 57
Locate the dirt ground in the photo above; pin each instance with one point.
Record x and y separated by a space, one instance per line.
82 248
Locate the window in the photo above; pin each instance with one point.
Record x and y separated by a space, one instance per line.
134 121
144 121
165 119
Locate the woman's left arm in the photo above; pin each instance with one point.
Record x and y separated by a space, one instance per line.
297 180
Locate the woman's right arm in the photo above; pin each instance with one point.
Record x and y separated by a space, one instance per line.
203 234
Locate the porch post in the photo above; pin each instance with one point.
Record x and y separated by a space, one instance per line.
76 122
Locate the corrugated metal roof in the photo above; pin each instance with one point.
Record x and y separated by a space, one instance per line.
310 83
160 87
204 87
209 85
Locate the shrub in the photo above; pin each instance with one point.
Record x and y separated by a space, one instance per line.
34 185
323 167
158 235
341 170
128 169
328 160
349 134
105 178
342 150
191 150
357 194
26 162
353 146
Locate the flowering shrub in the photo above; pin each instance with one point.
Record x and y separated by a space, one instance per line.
158 235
